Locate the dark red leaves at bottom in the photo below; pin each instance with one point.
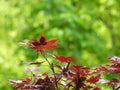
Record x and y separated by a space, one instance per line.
27 80
113 83
96 88
85 87
18 83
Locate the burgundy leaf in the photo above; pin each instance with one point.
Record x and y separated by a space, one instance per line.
100 69
40 45
31 63
94 79
63 59
18 83
82 70
96 88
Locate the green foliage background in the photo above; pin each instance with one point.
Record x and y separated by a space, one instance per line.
86 29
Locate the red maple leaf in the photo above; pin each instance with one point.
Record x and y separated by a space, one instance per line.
96 88
41 44
94 79
18 83
100 69
83 70
113 83
50 45
31 63
114 69
27 80
114 58
115 65
63 59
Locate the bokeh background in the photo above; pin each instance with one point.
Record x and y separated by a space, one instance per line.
86 29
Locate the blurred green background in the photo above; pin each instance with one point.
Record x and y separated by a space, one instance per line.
86 29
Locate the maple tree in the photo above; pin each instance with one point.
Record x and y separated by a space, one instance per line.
67 77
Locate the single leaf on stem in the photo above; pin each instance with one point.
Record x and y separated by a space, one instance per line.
31 63
40 45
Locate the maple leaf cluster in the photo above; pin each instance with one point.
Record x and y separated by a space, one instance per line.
67 77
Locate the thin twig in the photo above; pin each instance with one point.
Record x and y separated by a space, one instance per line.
52 68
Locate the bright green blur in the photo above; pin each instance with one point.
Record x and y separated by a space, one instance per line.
88 30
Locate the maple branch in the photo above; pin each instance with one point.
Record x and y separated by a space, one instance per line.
77 77
52 68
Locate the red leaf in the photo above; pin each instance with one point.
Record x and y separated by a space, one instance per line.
31 63
94 79
18 83
63 59
115 66
50 45
100 69
85 87
113 83
114 58
96 88
43 40
27 80
31 87
81 69
41 44
114 70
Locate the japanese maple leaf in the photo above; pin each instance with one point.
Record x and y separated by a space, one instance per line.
42 43
114 69
115 65
81 70
114 58
85 87
96 88
94 79
113 83
63 58
18 83
27 80
100 69
31 63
